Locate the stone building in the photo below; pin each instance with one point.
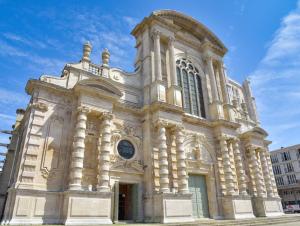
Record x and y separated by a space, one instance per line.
286 167
174 141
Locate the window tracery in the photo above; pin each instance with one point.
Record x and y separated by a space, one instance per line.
189 80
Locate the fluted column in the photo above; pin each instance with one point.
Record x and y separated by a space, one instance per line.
157 56
272 177
212 79
239 168
257 174
181 165
227 168
163 158
77 156
266 173
104 155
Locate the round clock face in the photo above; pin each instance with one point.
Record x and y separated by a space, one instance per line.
126 149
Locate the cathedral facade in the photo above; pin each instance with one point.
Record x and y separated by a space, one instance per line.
174 141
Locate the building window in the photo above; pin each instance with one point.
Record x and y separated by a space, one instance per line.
288 167
279 181
126 149
189 80
298 154
274 158
285 156
292 179
276 170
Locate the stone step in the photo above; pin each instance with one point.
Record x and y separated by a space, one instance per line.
288 218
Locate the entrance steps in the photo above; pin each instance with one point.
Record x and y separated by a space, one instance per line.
260 221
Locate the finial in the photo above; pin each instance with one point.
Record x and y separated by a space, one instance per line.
105 57
87 48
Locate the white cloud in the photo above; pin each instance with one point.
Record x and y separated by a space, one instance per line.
276 82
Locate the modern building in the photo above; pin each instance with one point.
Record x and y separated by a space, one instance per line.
286 167
174 141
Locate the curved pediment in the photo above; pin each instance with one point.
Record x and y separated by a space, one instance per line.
187 23
260 131
99 85
192 26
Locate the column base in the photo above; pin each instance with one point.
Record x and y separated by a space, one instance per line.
174 96
267 207
158 92
87 208
237 207
171 208
216 110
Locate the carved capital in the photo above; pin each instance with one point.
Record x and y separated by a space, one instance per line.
106 116
156 34
161 123
83 109
171 41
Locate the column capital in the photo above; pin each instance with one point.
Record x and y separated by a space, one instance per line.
171 40
106 115
83 109
156 34
161 123
177 127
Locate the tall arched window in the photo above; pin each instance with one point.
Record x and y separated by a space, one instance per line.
189 80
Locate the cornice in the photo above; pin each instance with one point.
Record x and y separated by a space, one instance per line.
225 123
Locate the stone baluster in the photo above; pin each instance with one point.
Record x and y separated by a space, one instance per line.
266 173
157 55
181 165
104 155
77 156
257 174
272 177
227 168
239 168
163 158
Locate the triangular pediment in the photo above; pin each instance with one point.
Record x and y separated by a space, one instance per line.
100 86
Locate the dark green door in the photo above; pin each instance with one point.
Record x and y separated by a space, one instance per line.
197 186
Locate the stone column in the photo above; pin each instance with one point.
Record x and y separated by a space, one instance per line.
224 83
163 158
104 155
232 162
172 62
227 168
272 177
157 56
239 168
174 92
266 173
181 165
78 150
212 79
257 174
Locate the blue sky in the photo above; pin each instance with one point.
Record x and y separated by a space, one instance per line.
263 39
